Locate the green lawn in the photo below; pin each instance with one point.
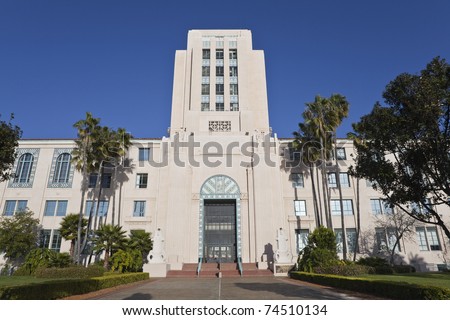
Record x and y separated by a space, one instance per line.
17 281
429 278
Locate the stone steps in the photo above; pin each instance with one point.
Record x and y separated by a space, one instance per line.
212 270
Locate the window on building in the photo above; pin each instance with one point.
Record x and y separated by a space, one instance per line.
92 205
233 71
55 208
45 238
144 154
219 71
205 106
206 43
341 154
380 206
205 71
106 180
344 180
56 241
302 238
62 169
420 208
300 207
297 180
234 106
93 180
336 207
205 89
141 180
23 172
220 106
139 209
350 234
13 206
206 54
428 239
219 54
234 89
50 239
385 239
233 53
220 88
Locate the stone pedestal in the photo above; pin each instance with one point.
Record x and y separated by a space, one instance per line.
156 270
282 269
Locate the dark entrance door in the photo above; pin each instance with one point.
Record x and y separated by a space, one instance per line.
220 231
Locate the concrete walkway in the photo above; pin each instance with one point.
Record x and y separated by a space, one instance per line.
257 288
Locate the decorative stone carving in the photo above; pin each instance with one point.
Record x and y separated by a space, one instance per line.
158 254
282 255
220 126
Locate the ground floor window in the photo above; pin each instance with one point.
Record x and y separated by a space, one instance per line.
350 234
302 238
428 239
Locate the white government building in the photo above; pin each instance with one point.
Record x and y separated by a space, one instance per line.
221 187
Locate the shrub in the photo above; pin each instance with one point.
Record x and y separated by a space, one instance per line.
404 269
373 262
42 258
127 261
64 288
320 250
386 289
75 272
351 270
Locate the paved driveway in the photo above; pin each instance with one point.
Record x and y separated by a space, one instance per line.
257 288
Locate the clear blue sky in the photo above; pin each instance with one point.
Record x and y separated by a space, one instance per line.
60 58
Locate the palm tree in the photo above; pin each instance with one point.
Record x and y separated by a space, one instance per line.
69 230
141 240
321 119
84 161
111 146
108 238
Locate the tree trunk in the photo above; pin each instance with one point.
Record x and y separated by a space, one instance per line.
341 203
358 219
311 172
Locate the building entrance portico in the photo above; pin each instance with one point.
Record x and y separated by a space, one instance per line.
220 221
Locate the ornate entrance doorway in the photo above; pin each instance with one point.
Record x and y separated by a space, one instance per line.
220 220
220 231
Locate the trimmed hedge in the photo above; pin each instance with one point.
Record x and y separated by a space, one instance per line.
63 288
344 270
385 289
75 272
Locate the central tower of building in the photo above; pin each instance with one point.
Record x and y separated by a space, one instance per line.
219 206
219 84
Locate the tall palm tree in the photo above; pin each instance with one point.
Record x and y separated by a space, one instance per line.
321 119
69 230
109 238
84 161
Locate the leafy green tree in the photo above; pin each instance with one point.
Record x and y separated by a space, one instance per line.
109 238
403 149
19 235
141 241
69 230
320 251
9 141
